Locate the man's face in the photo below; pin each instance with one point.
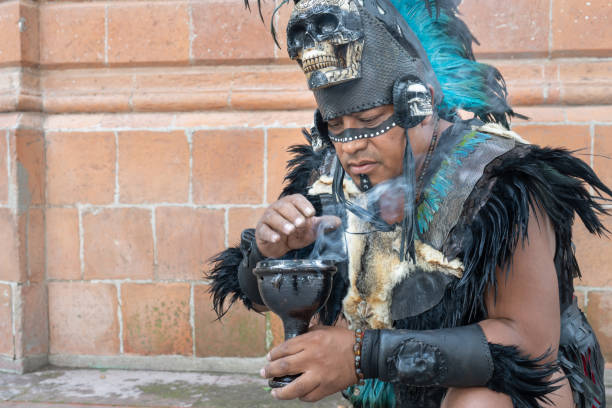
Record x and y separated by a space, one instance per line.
379 157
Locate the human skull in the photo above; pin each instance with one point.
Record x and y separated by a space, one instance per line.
326 39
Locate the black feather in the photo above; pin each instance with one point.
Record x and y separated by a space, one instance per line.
224 285
526 380
496 215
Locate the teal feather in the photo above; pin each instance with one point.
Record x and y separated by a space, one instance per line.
466 84
440 183
374 394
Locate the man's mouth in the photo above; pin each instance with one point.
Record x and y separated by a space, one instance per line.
361 167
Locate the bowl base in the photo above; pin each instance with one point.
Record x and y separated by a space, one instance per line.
280 382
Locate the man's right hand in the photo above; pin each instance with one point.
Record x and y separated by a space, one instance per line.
288 224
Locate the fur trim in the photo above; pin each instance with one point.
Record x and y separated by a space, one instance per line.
525 380
498 130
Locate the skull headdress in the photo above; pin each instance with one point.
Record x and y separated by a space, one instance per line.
326 39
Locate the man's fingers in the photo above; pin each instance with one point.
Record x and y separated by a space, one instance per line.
278 223
289 365
301 386
287 348
291 213
326 223
302 204
266 234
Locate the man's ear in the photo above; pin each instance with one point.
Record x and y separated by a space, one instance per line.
412 101
319 138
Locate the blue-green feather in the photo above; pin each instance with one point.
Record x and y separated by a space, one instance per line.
374 394
466 84
440 183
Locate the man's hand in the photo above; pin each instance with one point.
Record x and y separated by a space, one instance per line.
289 224
325 358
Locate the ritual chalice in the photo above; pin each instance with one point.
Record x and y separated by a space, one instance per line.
295 290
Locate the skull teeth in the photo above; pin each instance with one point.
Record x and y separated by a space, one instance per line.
319 62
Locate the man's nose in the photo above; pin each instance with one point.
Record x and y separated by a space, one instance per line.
354 146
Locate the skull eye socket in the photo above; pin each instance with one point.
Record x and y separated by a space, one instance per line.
327 24
296 36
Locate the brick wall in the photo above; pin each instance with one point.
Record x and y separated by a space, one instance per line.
138 138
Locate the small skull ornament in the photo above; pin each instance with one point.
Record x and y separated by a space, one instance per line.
326 39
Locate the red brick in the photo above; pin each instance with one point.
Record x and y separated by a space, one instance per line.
539 114
224 30
204 79
118 244
271 78
279 140
81 167
581 297
30 37
153 167
599 312
244 119
83 318
72 33
602 159
9 251
86 81
35 329
593 254
240 333
228 166
581 28
586 94
571 137
278 331
6 320
518 28
273 100
63 243
4 180
10 46
179 102
241 219
87 103
31 166
160 34
36 245
186 239
156 319
589 113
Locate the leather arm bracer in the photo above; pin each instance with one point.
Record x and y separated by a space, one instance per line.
457 357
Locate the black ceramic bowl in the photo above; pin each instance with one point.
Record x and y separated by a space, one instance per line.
294 290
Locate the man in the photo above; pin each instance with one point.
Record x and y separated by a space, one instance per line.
457 287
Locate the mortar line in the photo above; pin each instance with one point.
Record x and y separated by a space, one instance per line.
106 34
12 185
154 231
14 316
117 195
586 298
226 226
191 31
128 280
192 319
100 207
189 134
595 288
120 316
81 242
265 167
550 29
27 245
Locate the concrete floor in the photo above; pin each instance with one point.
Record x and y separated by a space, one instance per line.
101 388
92 388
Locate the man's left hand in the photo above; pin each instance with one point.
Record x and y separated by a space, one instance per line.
325 358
